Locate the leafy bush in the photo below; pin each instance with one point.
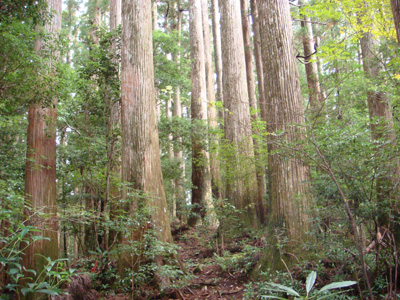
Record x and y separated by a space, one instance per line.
22 281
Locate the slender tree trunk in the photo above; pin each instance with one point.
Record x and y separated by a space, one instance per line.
241 172
201 177
180 197
141 164
319 61
287 175
113 136
211 108
93 203
258 59
168 112
217 57
40 173
168 28
115 15
251 86
314 90
156 27
62 235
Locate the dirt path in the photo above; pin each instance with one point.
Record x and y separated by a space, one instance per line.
210 282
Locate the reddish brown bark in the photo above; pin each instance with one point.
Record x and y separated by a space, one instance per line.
113 126
241 186
289 203
40 172
141 165
217 56
251 86
212 113
201 177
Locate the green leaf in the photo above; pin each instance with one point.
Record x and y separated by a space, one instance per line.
285 289
329 295
25 231
13 271
31 271
272 297
337 285
25 291
43 285
49 292
310 281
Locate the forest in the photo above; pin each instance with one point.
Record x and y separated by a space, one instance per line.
199 149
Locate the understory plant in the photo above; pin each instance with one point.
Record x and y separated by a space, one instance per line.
272 290
19 281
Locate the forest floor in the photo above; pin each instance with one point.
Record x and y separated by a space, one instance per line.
210 276
210 281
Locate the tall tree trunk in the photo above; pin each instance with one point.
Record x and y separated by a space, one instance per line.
154 12
241 172
211 108
141 164
113 129
258 59
115 15
217 56
288 192
168 113
251 86
180 197
201 177
40 173
93 203
168 27
314 90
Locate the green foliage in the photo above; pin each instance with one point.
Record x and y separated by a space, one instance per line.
168 72
322 293
149 257
28 11
243 261
13 242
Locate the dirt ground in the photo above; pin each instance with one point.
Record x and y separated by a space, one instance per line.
205 279
210 282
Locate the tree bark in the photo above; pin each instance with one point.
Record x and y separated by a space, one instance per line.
156 27
241 186
314 90
180 197
217 56
287 175
251 86
211 108
258 59
115 14
113 136
201 177
141 165
40 173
